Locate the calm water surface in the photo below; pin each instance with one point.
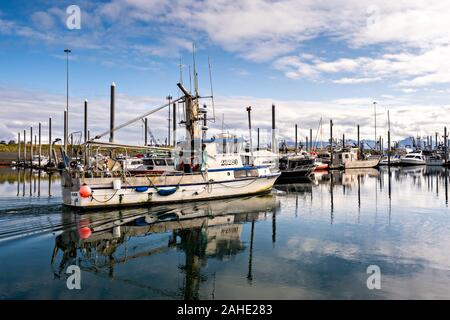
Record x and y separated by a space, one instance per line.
309 240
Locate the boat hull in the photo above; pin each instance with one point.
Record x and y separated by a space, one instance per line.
361 164
321 167
407 163
147 190
289 176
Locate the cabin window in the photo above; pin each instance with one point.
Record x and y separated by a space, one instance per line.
149 162
346 156
340 156
252 173
160 162
169 162
240 173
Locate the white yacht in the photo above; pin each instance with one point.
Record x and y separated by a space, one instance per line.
415 158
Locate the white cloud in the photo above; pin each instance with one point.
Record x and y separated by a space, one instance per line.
355 80
407 69
18 106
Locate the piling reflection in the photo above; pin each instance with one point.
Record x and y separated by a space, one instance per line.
97 242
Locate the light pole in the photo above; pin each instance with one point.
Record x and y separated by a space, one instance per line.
169 97
66 129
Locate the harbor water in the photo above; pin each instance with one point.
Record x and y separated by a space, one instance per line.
315 239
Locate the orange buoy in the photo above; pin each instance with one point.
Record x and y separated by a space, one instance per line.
84 232
85 191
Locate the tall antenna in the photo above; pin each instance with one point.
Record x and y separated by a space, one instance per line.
190 80
212 92
181 71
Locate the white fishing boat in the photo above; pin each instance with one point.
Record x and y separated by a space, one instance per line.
212 168
347 158
43 160
415 158
435 160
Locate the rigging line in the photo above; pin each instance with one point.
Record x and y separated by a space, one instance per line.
132 120
317 133
212 91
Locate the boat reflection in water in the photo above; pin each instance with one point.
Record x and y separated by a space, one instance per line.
98 242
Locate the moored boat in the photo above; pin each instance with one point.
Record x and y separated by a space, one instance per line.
211 169
295 167
415 158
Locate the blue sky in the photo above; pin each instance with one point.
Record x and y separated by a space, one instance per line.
313 59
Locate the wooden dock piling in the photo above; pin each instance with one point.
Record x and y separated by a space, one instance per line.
331 143
445 145
85 120
436 140
24 147
274 144
145 131
39 145
65 133
257 139
18 147
50 145
249 111
359 143
296 138
31 146
174 124
112 112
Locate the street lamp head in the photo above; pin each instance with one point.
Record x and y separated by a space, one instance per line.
67 50
169 97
